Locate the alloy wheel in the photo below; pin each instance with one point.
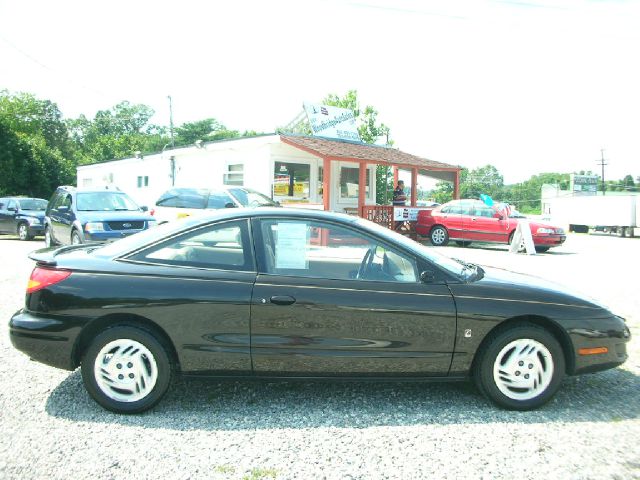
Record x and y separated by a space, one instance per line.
523 369
125 370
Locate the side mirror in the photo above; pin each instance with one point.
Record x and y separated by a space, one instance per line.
12 209
427 276
229 205
499 216
144 208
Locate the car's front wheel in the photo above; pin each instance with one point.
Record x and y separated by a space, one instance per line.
48 239
23 232
520 368
75 238
126 369
439 236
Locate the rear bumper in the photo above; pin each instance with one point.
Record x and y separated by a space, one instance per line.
44 339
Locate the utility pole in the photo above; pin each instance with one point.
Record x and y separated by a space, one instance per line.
173 143
602 164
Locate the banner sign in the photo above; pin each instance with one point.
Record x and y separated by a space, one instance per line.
584 184
332 122
405 214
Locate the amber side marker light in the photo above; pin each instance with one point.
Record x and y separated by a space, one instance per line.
593 351
43 277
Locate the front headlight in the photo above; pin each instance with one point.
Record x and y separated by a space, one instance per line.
33 221
560 231
546 230
94 227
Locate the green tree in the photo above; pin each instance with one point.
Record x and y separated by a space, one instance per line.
36 154
116 133
205 130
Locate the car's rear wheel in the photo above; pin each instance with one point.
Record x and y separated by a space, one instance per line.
439 236
75 238
23 232
126 369
520 368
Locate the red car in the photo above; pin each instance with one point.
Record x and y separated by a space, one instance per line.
467 221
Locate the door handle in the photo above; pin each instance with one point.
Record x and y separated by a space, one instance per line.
473 219
283 300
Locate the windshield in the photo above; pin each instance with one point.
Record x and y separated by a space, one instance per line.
33 204
105 202
251 198
450 265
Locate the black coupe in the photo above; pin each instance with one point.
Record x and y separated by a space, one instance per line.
284 293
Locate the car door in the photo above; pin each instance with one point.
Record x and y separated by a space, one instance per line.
197 287
4 214
61 217
453 216
482 225
332 301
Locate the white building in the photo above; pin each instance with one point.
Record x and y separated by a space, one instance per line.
289 168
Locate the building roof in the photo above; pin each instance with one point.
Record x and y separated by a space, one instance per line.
354 151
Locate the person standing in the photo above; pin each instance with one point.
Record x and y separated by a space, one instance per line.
399 197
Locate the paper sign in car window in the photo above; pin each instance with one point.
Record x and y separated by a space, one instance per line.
291 246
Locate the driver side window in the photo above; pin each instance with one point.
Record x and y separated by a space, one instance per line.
314 249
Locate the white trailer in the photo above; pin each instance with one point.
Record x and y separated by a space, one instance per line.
613 213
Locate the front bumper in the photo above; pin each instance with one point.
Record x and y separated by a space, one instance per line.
45 339
547 240
36 230
611 334
108 235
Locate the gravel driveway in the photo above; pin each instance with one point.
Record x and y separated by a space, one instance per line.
51 429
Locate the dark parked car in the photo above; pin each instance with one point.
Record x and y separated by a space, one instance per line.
78 216
22 216
296 293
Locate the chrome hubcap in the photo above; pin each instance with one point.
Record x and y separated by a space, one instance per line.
22 232
125 370
75 239
523 369
47 237
438 236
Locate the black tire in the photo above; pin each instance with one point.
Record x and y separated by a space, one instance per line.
462 243
23 231
48 238
521 247
122 392
76 239
439 236
542 249
546 364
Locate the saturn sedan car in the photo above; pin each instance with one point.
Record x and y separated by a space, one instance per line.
284 293
467 221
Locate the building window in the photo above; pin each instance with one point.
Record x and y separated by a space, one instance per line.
143 182
234 174
349 179
291 180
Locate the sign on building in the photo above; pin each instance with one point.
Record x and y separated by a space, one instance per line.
583 184
332 122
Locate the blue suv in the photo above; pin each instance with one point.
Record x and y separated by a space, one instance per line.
77 216
22 216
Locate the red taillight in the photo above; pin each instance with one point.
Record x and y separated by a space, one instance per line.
152 212
43 277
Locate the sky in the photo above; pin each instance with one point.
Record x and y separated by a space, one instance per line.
528 86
